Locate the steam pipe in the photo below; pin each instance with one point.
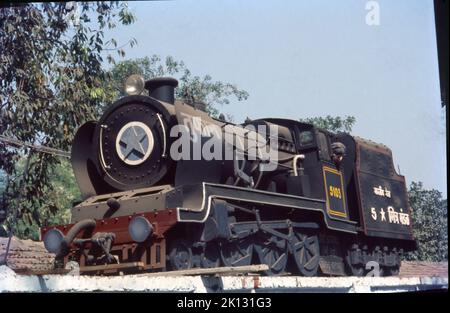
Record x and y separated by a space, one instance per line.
87 224
297 157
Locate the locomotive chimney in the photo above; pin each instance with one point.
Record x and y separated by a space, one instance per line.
162 88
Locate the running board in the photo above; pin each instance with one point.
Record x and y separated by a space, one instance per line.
107 267
216 271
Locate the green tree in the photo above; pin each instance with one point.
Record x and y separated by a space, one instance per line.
430 223
192 88
332 123
51 82
60 194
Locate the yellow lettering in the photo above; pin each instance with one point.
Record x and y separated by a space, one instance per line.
335 192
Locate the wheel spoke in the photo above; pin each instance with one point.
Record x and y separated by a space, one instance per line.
298 245
272 252
309 264
210 256
306 253
237 252
180 255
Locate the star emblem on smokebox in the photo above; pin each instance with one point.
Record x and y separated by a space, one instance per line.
132 140
134 143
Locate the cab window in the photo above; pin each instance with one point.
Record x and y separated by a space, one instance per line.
306 138
323 146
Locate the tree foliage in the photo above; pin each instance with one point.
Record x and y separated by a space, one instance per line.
430 223
191 88
332 123
59 195
50 83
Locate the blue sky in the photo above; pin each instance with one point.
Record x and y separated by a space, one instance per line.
313 58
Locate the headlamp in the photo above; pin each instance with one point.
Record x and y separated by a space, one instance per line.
134 85
140 229
52 240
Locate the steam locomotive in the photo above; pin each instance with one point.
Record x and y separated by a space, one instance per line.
165 186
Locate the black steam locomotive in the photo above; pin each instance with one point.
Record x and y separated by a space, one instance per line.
167 187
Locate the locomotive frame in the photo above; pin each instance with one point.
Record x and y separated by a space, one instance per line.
319 212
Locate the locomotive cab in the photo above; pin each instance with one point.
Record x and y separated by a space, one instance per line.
326 176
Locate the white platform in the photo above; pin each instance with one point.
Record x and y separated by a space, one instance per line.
12 282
